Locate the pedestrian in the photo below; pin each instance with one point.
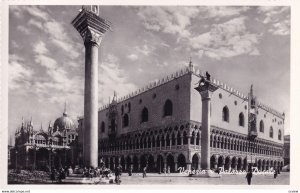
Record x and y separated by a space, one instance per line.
130 171
275 174
165 170
144 171
70 171
91 173
249 176
118 173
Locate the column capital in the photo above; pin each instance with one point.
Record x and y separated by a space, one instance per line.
206 89
91 37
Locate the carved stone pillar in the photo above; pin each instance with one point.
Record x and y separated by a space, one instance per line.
206 90
92 28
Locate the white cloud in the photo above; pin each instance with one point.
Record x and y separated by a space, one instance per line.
36 23
145 49
278 18
172 20
46 61
177 20
40 48
132 57
37 12
112 78
281 28
226 40
18 74
23 29
222 11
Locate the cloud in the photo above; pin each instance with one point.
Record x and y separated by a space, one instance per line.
112 78
40 48
177 20
226 40
277 17
23 29
36 23
145 49
19 74
172 20
281 28
46 61
132 57
45 22
222 11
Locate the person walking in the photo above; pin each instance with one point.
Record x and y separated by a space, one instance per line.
275 174
130 171
118 174
144 171
249 176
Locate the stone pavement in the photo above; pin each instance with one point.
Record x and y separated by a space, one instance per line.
178 179
226 179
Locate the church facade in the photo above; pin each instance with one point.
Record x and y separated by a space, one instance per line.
159 126
41 150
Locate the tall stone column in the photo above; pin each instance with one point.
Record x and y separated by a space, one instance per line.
91 28
206 90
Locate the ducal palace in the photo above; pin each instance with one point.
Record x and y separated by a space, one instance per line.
159 126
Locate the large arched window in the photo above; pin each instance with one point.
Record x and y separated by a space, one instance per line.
225 114
102 127
261 126
144 115
168 108
271 132
241 120
279 135
125 120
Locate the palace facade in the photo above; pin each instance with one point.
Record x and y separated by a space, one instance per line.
39 149
159 126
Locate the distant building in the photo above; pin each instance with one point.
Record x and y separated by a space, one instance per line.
41 149
286 150
159 126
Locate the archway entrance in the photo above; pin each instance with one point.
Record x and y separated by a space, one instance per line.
128 162
160 163
227 163
181 161
135 164
195 162
143 161
170 163
213 161
151 164
220 161
233 163
239 164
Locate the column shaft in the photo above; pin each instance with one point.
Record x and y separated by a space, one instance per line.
205 138
91 105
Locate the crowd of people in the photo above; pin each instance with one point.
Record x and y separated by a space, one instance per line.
57 175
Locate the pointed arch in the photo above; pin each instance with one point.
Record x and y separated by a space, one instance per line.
271 132
225 114
241 119
125 120
168 108
144 117
261 126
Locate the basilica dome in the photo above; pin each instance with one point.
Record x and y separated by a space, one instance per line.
63 123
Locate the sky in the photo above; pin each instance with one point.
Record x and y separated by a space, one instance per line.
237 45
